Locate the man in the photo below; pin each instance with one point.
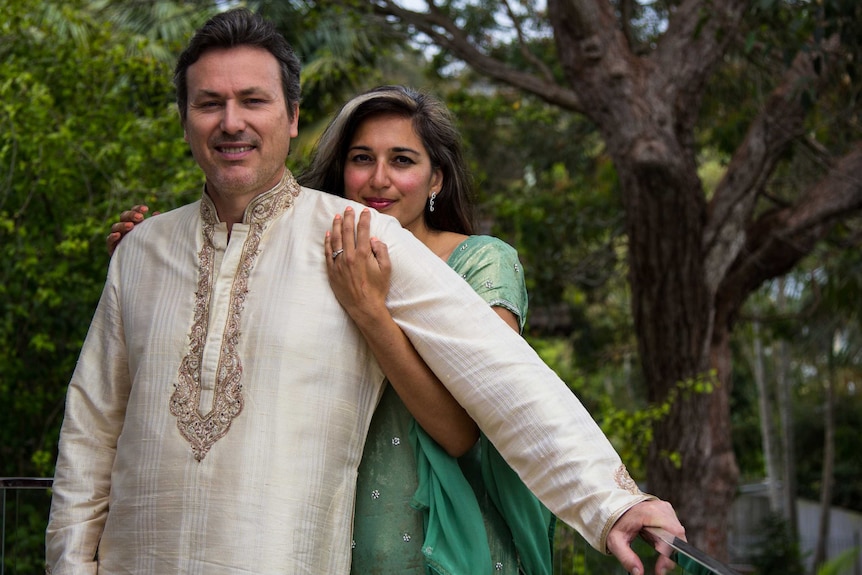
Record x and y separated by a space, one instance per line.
215 421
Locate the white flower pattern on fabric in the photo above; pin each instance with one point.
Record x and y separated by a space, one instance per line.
390 523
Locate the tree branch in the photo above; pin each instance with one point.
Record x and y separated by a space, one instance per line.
697 37
522 44
587 18
626 15
779 239
446 34
779 123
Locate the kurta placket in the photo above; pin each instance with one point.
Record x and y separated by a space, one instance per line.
227 259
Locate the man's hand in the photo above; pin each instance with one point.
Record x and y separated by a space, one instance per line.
654 513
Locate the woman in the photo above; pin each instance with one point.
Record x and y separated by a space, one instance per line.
430 498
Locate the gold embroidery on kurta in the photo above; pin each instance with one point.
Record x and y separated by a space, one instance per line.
202 431
625 481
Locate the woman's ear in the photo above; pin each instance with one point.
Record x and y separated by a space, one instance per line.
436 182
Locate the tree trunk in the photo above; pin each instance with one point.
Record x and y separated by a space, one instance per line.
767 436
692 263
694 469
820 550
706 509
788 443
648 133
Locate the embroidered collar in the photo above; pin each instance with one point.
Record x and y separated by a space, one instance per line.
201 425
262 208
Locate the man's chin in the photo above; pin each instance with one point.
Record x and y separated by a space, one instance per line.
243 182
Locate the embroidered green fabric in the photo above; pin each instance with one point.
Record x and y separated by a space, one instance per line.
420 511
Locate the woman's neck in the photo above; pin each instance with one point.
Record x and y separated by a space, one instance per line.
441 243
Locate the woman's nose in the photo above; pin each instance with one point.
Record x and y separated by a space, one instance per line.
380 176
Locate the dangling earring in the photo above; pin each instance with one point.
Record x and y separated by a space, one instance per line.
431 201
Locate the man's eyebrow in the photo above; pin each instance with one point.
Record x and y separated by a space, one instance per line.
254 90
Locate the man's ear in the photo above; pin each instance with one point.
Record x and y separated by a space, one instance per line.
183 124
294 122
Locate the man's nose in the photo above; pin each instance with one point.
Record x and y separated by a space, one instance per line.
232 121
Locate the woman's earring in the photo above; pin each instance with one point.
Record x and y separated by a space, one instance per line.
431 201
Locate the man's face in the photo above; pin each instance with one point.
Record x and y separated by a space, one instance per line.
237 125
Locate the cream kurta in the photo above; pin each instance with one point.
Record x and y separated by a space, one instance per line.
215 421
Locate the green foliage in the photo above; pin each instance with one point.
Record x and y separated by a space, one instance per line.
630 431
25 531
779 550
831 341
627 421
89 127
847 487
818 319
773 33
342 51
843 563
548 189
745 420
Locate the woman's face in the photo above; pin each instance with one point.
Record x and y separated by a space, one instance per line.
388 168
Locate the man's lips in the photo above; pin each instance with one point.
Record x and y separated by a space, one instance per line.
378 203
234 150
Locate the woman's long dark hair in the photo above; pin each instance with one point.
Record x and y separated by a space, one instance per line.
453 208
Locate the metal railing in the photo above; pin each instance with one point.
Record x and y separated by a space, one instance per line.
20 486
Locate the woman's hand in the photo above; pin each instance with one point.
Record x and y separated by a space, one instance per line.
358 267
128 220
359 270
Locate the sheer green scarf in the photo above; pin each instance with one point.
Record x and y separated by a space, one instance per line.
456 542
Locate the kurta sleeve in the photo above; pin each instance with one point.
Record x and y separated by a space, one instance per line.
95 408
537 424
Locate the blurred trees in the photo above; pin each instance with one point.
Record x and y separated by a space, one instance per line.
613 244
88 127
84 123
765 87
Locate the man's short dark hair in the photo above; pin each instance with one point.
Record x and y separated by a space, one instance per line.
239 27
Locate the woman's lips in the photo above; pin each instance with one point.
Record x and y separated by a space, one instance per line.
378 204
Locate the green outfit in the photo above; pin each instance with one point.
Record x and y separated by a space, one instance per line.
420 511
